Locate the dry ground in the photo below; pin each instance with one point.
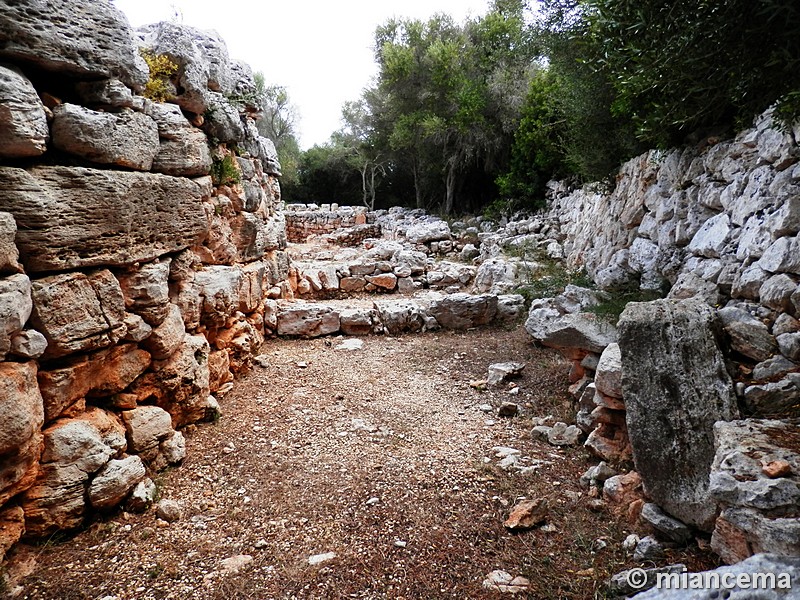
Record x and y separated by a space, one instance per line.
381 456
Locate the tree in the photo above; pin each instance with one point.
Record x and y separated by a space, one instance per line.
278 122
453 94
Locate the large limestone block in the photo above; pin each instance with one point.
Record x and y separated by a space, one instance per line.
146 291
89 40
400 316
9 255
126 139
181 384
167 337
307 320
675 387
428 231
23 124
100 374
761 506
219 287
738 477
73 450
105 93
608 375
183 149
585 331
147 427
113 483
747 335
15 308
78 312
204 67
781 575
463 311
71 217
22 416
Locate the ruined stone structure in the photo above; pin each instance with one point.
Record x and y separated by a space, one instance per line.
139 241
706 382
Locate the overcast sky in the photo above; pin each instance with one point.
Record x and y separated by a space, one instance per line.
321 50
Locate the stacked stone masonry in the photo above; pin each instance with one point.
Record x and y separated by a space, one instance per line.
708 379
133 282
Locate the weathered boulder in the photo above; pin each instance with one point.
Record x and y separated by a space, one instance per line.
463 311
9 255
307 320
127 139
428 231
106 93
584 331
608 375
73 450
775 398
510 308
22 415
28 343
496 276
400 316
115 481
219 288
15 308
78 312
180 384
205 71
71 217
666 347
385 281
90 41
776 292
183 149
710 240
747 335
671 529
782 572
146 427
146 291
23 123
355 321
167 337
100 374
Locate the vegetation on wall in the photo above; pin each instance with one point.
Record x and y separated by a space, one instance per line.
158 87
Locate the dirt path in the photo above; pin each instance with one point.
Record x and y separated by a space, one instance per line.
381 456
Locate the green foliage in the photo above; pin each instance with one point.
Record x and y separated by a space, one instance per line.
158 88
617 299
543 276
537 153
224 171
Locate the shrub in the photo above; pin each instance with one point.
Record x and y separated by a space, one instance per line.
162 69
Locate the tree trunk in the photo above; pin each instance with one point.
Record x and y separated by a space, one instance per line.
450 189
417 190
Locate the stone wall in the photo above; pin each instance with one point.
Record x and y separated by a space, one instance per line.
139 242
717 229
306 220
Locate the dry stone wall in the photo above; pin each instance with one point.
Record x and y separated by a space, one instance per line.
306 220
708 379
139 244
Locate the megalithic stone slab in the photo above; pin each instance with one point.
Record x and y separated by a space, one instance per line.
73 217
675 387
85 39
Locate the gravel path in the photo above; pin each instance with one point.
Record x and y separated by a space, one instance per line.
380 456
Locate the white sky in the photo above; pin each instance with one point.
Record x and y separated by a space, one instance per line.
321 50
